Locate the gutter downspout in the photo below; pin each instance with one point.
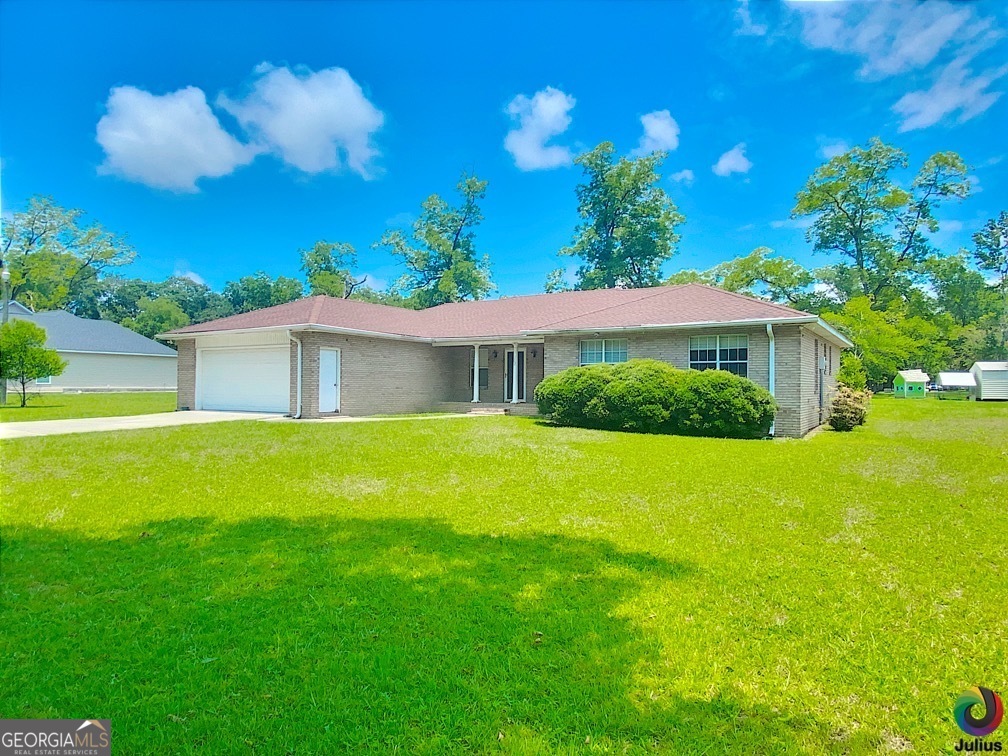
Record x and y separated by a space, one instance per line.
772 378
296 340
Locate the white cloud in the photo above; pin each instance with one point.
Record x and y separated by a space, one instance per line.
938 40
733 161
373 282
685 176
830 148
400 220
191 275
799 223
661 132
315 121
956 90
166 141
540 118
746 27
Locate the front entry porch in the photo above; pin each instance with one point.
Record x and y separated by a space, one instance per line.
490 374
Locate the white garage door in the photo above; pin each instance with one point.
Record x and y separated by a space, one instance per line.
251 379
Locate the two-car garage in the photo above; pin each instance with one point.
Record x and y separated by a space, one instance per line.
234 374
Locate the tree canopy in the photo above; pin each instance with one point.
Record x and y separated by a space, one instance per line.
55 257
628 222
879 229
440 257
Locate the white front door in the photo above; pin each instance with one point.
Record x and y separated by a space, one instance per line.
329 380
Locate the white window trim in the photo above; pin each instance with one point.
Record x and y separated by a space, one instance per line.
717 349
46 381
603 361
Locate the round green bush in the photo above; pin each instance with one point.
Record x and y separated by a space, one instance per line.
650 396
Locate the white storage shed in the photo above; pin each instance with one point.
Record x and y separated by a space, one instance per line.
991 380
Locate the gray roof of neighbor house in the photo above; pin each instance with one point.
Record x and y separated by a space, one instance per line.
571 311
68 333
16 308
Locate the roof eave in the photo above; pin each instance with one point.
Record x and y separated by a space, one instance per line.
299 327
798 320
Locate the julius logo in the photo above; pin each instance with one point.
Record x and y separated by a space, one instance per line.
968 716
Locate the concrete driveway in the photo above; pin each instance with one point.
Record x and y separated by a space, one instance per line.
126 422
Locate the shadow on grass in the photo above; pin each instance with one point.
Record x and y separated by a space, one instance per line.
321 636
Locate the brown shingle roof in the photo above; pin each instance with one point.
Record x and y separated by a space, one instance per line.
514 316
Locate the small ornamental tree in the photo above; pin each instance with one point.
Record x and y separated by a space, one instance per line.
852 373
24 357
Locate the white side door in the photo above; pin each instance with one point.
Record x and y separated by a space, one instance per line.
329 380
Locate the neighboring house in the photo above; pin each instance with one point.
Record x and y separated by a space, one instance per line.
322 355
101 355
910 384
991 380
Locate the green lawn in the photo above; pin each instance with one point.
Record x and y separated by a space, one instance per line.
498 585
63 406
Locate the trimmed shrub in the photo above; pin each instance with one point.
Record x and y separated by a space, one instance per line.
650 396
849 409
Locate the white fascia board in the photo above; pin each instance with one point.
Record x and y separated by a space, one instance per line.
124 354
523 338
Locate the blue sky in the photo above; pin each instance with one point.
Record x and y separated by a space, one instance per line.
221 137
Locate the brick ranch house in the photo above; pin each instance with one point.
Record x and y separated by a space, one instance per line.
321 355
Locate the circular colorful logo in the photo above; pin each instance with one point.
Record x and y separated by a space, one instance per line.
993 711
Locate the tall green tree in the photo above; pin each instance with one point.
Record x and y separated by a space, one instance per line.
991 250
328 269
197 300
55 256
779 279
118 299
878 228
156 316
628 222
440 256
692 275
958 289
259 290
991 255
24 357
888 340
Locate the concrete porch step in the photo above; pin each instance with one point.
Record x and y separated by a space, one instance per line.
490 408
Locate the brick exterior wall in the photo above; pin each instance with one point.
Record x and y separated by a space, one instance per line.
186 396
377 376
